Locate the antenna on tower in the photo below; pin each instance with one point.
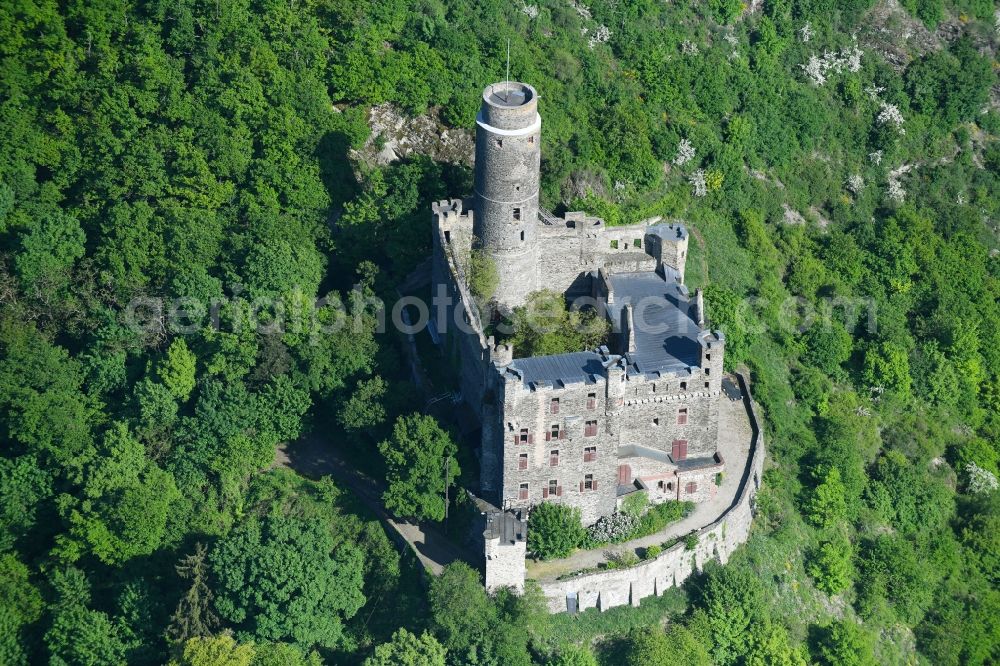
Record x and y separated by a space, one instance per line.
506 83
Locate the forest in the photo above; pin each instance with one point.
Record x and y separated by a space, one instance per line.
838 165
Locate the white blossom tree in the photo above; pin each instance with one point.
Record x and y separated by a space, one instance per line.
697 179
855 183
685 152
600 36
981 481
889 114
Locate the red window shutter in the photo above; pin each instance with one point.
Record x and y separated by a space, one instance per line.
545 492
581 486
594 485
531 438
562 434
558 491
547 436
523 493
678 450
515 439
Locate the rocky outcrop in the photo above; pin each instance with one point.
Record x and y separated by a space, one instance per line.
396 136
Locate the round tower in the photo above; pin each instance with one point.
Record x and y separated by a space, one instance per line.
508 160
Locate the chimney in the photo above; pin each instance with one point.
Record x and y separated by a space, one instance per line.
699 308
628 328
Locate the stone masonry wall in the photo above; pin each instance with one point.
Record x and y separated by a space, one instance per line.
570 248
532 409
619 587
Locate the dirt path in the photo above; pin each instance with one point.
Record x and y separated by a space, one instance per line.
734 445
315 456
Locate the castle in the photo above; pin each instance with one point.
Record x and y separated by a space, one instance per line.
590 427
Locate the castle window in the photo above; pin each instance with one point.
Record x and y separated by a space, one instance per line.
706 384
524 436
554 488
531 139
588 483
656 422
708 371
637 242
679 450
554 458
590 429
591 401
614 245
691 488
682 416
522 236
499 143
708 357
590 454
447 236
522 461
553 432
522 492
554 406
684 386
517 214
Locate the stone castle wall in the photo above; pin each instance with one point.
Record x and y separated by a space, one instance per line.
466 345
572 247
619 587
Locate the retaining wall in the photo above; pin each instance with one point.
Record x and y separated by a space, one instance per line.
618 587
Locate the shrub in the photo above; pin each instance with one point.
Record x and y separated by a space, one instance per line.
621 559
554 530
636 503
614 528
661 515
483 275
690 541
652 552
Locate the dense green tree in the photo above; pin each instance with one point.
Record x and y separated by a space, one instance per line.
573 655
287 578
20 605
647 646
405 649
421 464
733 602
845 643
43 407
177 370
554 530
832 563
827 504
48 252
770 646
79 634
545 326
126 502
222 650
195 614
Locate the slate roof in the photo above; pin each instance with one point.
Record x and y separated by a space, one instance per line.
560 369
666 333
667 336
